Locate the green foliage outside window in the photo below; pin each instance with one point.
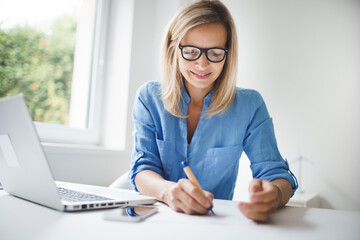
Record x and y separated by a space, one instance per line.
40 65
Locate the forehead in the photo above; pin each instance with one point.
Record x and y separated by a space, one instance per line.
206 36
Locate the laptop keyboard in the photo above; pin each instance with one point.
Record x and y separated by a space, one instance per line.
76 196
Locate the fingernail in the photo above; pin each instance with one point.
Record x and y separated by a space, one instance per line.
208 203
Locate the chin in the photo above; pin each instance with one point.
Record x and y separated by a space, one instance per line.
202 85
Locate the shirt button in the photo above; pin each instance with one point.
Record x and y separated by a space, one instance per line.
139 154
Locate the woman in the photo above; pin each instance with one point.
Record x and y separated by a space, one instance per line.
199 115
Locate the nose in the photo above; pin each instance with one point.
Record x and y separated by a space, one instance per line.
202 61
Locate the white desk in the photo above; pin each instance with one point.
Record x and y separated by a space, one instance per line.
21 219
305 199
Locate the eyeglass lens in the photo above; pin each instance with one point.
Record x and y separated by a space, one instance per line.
213 54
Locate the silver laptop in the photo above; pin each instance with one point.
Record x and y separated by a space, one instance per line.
25 172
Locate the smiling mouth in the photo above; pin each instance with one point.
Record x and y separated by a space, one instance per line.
201 76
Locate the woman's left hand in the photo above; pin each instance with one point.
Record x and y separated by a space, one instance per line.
264 200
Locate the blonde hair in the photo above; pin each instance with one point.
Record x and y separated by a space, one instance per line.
192 15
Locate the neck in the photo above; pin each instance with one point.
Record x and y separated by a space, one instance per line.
197 95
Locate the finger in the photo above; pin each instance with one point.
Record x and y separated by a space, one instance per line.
255 185
269 193
177 205
183 202
191 205
251 214
259 207
210 197
195 193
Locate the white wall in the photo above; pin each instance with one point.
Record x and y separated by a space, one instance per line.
303 57
150 20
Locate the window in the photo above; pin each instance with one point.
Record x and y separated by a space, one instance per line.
52 51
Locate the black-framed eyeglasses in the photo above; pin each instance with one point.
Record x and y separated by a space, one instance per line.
192 53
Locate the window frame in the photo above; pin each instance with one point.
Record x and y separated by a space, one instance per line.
55 133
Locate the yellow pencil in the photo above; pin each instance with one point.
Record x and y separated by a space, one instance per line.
194 181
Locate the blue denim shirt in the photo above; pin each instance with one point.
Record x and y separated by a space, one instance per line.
160 141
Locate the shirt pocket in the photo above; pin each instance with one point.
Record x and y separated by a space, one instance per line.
170 159
221 163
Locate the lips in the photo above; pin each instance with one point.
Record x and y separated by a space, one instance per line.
201 75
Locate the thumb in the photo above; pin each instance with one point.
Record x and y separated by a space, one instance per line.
255 186
209 196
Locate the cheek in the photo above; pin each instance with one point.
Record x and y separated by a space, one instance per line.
183 66
218 69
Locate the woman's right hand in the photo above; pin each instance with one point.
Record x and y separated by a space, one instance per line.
183 196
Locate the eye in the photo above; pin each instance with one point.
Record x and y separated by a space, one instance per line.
190 52
216 54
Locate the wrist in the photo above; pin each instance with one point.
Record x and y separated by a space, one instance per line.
164 192
163 196
280 195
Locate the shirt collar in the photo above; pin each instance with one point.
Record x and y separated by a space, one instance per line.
208 97
186 97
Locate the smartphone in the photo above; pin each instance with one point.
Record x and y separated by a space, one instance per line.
130 213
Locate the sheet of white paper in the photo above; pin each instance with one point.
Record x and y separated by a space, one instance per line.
224 214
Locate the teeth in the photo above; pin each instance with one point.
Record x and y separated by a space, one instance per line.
201 74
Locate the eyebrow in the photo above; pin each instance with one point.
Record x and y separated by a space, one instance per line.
189 45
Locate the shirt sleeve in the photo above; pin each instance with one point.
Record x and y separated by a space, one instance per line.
145 154
261 148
